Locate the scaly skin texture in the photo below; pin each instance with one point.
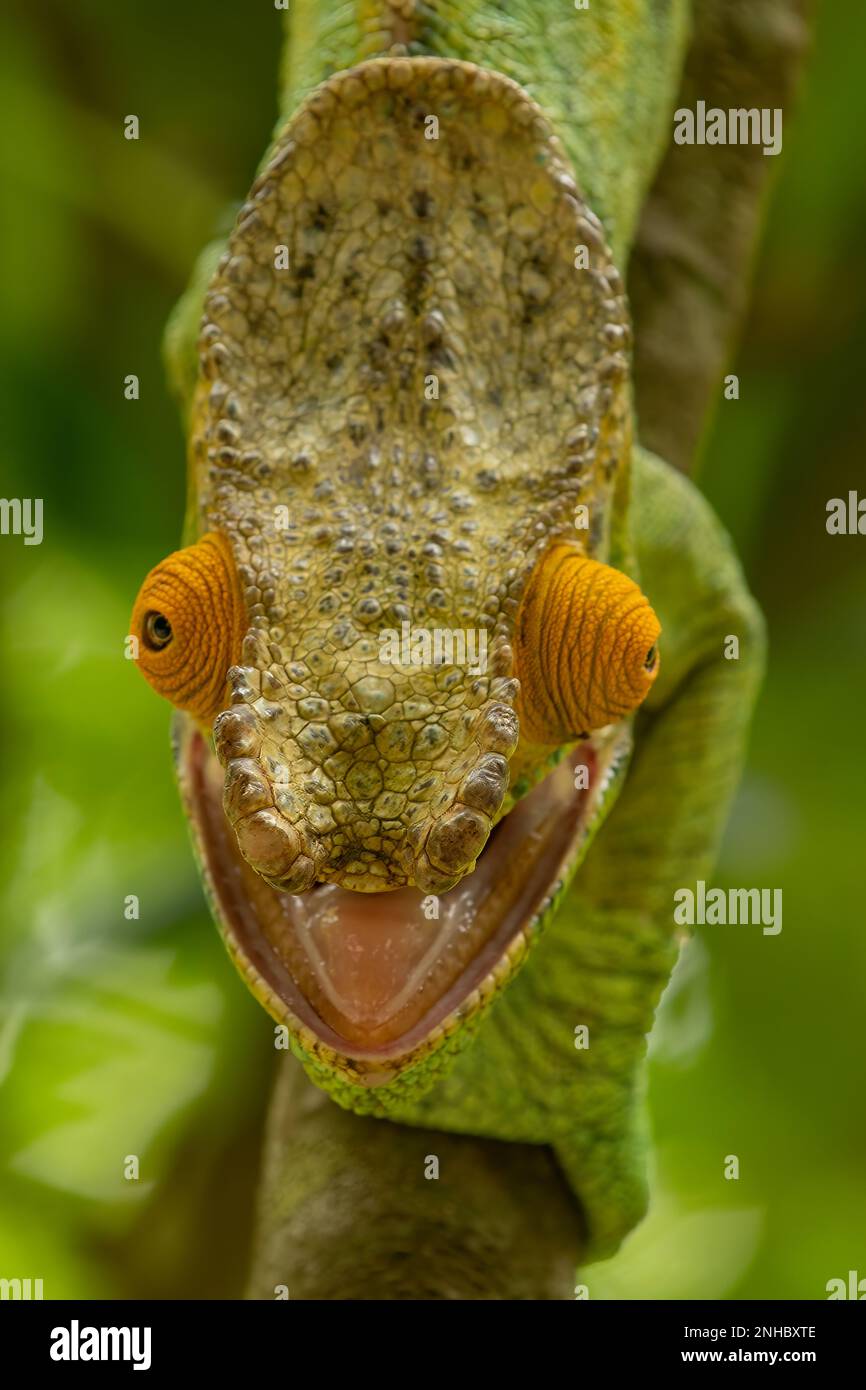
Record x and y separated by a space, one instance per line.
272 424
412 261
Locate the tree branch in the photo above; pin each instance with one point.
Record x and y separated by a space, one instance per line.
688 276
345 1210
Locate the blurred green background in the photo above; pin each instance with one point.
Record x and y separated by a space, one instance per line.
134 1037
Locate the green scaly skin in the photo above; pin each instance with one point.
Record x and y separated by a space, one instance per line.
605 78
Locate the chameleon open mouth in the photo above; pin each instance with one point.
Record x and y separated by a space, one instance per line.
372 981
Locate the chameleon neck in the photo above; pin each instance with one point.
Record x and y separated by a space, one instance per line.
605 76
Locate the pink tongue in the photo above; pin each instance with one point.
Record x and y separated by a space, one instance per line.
371 956
372 964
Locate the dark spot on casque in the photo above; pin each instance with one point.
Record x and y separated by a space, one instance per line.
322 219
382 207
306 271
418 283
377 351
442 356
422 203
421 250
333 362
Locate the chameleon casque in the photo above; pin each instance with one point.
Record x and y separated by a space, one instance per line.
408 402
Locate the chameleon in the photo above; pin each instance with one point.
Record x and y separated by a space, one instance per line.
406 383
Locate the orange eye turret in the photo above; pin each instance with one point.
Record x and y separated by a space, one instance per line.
585 647
189 620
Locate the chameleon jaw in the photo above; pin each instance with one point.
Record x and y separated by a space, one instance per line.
369 985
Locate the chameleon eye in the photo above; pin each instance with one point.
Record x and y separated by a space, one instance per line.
157 631
585 647
189 620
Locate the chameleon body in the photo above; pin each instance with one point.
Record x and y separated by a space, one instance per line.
408 404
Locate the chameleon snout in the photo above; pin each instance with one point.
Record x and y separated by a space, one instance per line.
431 849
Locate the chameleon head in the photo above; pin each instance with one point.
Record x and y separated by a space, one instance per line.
586 656
356 968
390 624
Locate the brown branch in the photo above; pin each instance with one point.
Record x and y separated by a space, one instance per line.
689 271
346 1212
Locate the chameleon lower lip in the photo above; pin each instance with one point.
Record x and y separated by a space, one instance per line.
369 977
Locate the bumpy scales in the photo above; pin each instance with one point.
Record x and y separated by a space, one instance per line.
407 388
